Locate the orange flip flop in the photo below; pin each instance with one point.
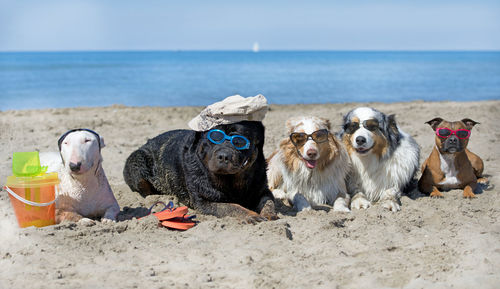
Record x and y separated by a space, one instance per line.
174 218
179 223
171 213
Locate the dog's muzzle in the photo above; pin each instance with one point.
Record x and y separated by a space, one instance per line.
75 167
225 162
452 145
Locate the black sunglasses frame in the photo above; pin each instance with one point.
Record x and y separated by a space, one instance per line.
351 127
309 136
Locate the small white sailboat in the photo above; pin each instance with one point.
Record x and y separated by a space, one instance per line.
255 47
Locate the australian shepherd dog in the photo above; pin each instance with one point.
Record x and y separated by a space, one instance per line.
384 158
310 166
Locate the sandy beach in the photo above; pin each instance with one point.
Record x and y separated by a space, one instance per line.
431 243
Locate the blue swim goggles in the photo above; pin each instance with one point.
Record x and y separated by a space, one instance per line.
239 142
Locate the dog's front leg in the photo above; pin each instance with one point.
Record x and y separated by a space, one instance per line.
110 214
425 186
208 201
300 203
359 201
229 210
267 208
390 199
70 216
435 193
469 190
341 204
279 194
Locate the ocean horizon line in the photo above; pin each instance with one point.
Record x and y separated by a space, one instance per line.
249 50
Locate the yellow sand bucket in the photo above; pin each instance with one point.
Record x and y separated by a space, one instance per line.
32 196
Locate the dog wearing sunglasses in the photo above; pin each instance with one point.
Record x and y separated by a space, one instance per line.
310 166
451 165
384 158
219 172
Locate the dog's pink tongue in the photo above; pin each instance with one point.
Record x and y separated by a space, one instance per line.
311 164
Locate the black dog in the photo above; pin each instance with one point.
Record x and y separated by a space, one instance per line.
217 179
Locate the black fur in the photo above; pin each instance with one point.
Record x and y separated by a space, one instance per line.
186 164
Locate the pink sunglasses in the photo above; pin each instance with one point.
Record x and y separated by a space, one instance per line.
446 133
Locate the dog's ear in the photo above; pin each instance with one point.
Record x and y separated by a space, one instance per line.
326 122
197 137
434 122
393 127
334 146
261 135
195 146
469 123
101 142
291 123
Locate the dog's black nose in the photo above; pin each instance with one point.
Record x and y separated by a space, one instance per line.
360 140
75 167
223 156
453 140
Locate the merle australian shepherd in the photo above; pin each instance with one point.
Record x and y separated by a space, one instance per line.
384 158
310 166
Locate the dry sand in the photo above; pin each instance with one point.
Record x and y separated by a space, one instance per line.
430 243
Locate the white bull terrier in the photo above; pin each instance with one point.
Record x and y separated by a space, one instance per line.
84 191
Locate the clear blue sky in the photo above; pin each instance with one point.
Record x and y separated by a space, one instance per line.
39 25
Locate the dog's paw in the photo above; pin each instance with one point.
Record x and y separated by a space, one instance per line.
303 208
360 203
86 222
436 194
391 205
468 193
268 211
107 221
254 219
340 206
269 216
483 181
279 194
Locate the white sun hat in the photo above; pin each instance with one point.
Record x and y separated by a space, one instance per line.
232 109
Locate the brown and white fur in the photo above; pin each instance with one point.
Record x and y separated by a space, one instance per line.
384 161
312 174
451 165
84 191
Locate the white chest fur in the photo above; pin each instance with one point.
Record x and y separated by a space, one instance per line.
374 176
449 170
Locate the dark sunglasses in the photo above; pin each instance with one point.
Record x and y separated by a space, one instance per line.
300 138
239 142
444 132
369 124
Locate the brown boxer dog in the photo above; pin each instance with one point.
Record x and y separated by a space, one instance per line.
451 165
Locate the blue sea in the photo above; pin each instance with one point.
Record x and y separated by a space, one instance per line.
168 78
